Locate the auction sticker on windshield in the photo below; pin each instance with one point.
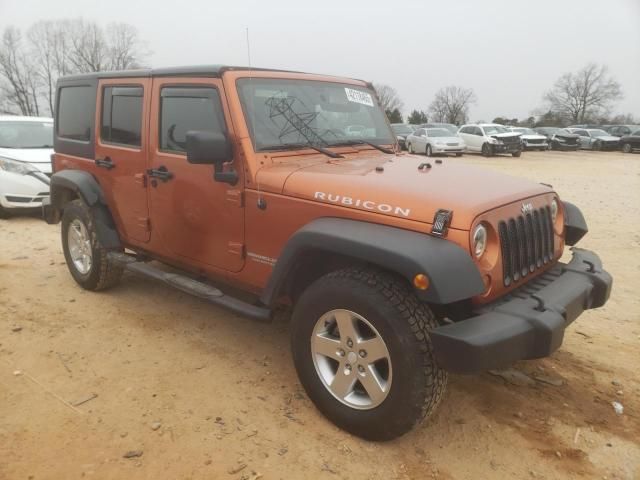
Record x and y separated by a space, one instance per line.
357 96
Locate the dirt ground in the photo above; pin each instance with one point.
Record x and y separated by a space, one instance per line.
201 393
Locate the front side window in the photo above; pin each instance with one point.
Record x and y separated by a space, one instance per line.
26 134
76 107
281 112
185 109
122 115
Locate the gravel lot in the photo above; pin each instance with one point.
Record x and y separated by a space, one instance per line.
192 391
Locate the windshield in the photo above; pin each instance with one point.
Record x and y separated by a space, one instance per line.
282 112
438 132
26 134
449 126
493 129
598 133
526 131
402 129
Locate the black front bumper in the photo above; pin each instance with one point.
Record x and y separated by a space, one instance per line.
527 323
506 147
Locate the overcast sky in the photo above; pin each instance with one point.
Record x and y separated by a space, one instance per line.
508 51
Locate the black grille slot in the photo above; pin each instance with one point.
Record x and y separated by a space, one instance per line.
526 243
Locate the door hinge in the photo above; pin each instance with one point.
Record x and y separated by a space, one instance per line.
236 248
236 197
145 223
141 178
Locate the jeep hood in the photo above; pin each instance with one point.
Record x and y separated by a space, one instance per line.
400 189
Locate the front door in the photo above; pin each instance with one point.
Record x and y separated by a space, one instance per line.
121 153
197 219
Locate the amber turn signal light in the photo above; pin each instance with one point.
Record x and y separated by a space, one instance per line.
421 281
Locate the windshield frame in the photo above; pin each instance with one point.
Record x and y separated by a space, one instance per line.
240 80
28 123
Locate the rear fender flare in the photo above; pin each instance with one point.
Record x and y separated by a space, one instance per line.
84 185
452 274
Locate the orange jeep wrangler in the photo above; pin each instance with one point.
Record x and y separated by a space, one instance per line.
289 189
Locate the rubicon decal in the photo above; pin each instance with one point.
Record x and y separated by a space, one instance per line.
359 203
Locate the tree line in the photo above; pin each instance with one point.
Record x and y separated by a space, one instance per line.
31 62
582 97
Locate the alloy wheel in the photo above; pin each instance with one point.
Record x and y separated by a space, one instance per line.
351 359
79 246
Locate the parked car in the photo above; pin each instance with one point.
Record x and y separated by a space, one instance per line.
431 141
402 130
490 138
559 138
396 272
530 139
631 142
595 139
622 130
447 126
26 145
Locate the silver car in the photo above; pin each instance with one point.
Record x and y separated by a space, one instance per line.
595 139
431 141
531 139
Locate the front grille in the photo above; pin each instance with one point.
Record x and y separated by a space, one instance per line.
526 243
535 141
452 144
510 140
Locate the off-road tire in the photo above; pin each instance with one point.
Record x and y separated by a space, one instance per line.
516 154
103 273
403 322
487 150
626 148
428 151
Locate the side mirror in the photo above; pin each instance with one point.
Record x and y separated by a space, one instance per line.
211 148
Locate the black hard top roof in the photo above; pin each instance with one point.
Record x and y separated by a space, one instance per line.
188 71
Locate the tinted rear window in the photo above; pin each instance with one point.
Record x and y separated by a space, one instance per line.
75 112
122 115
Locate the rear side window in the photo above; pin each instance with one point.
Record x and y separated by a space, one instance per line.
75 113
122 115
184 109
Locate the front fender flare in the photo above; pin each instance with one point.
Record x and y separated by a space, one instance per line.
452 273
574 224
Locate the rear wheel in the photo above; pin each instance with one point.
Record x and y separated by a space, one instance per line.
409 148
86 257
361 347
487 150
428 152
626 148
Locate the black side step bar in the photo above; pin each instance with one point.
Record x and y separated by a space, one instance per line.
191 286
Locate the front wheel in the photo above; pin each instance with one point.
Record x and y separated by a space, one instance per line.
86 257
487 150
409 148
516 154
361 347
597 146
626 148
458 154
428 152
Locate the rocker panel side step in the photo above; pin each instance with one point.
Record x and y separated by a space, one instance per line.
192 287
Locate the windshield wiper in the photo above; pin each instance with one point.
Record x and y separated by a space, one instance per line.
363 142
293 146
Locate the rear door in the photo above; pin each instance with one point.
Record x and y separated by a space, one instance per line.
121 153
197 219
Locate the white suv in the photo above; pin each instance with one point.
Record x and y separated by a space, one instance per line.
26 145
490 138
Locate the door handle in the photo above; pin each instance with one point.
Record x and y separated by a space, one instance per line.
161 173
105 162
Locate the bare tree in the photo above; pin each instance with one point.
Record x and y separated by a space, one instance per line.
20 87
31 69
388 98
588 93
451 104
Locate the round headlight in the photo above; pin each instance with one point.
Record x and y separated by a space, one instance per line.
479 240
554 210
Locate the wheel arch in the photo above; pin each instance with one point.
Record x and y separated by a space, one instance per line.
328 244
68 185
